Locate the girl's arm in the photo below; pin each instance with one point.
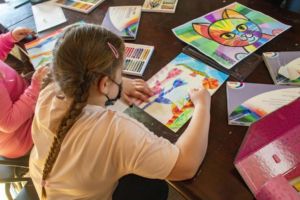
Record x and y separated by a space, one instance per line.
193 142
7 40
13 115
6 44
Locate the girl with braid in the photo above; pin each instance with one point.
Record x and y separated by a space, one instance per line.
84 151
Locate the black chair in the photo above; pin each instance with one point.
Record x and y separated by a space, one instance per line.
10 173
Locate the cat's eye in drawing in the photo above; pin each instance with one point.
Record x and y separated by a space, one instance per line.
228 36
242 28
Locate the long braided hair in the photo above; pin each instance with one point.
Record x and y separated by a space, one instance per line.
81 55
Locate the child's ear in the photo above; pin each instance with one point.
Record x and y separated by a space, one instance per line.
231 14
202 29
103 85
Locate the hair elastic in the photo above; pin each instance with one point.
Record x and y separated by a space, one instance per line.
114 50
43 183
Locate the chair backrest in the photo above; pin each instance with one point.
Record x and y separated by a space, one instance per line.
16 162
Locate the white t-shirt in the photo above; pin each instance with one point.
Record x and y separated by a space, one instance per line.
101 147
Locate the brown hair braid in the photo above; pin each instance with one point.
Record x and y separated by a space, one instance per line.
81 55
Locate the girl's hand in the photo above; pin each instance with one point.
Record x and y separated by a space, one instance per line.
135 88
40 73
22 32
200 96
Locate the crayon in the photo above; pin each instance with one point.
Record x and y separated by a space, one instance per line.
147 54
136 66
140 53
135 52
140 67
127 51
129 64
130 52
142 56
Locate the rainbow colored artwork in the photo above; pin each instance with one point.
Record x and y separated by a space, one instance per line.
40 50
131 26
171 104
230 34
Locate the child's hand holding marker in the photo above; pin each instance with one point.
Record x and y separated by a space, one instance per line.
22 32
135 88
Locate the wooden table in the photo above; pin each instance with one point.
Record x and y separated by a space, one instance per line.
218 178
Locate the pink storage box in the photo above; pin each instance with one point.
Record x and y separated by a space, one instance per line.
270 154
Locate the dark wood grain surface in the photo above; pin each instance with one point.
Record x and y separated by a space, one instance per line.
217 178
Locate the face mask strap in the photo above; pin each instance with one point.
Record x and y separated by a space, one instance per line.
109 101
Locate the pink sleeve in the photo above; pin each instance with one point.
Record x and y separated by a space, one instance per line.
6 44
13 115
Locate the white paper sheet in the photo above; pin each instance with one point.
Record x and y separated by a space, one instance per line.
46 15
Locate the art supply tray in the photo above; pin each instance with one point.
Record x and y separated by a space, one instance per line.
137 58
85 6
240 71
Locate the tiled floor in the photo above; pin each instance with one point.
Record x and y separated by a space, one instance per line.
174 195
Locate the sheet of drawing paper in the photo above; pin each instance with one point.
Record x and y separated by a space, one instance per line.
248 102
46 15
230 34
171 104
40 50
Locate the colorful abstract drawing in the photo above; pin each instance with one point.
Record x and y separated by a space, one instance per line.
230 34
40 50
171 104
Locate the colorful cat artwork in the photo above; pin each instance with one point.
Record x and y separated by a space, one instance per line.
230 34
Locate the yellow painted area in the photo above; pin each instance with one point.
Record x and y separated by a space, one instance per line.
224 25
250 48
42 54
191 38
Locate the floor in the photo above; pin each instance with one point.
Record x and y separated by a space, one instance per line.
174 195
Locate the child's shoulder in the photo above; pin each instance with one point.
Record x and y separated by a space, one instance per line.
125 120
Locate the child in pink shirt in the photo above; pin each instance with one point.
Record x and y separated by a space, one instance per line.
17 100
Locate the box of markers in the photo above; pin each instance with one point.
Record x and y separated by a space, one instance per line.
137 58
85 6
